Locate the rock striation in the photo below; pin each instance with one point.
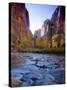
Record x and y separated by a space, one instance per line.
58 18
21 36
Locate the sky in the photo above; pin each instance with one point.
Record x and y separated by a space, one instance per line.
38 13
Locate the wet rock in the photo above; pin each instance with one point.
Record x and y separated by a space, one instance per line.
30 58
27 82
44 82
17 76
31 68
59 75
16 59
36 58
20 71
52 66
30 62
15 82
49 77
30 78
34 79
42 64
47 80
33 76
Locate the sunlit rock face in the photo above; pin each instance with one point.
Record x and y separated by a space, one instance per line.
58 18
20 34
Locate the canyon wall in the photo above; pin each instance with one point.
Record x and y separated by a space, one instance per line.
21 36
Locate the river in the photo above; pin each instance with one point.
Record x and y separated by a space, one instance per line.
40 69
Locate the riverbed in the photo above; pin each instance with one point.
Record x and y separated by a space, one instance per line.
39 69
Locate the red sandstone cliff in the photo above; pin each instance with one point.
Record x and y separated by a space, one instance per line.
21 36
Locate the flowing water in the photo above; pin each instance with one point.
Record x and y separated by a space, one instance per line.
40 69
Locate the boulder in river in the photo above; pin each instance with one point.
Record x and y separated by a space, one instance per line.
16 59
15 82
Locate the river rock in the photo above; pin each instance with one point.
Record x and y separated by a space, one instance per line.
46 80
43 64
59 75
16 59
17 76
33 76
15 82
31 68
20 71
30 62
27 82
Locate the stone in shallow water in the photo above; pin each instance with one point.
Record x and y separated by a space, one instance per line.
30 78
26 69
27 82
19 71
47 80
49 77
42 63
31 68
44 82
59 75
16 59
30 62
15 82
53 66
17 76
33 76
